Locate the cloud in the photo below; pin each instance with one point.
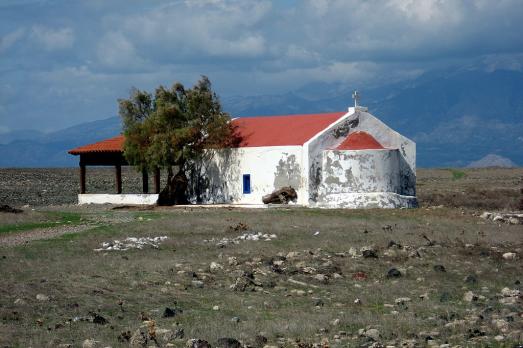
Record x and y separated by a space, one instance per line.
53 39
89 53
115 50
8 40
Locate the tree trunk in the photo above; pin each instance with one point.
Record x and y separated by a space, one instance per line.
175 192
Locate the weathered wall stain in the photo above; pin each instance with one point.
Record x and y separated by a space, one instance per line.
288 172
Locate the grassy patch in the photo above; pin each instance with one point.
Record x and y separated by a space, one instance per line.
52 219
457 174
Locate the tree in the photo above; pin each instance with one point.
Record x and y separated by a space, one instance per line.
174 129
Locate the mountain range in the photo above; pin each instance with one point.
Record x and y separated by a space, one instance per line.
456 116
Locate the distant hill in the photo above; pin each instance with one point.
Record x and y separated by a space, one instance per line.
50 150
492 161
455 116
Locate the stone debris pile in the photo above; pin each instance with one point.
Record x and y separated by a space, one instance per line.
132 243
507 218
248 236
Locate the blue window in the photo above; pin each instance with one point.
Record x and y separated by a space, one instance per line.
246 183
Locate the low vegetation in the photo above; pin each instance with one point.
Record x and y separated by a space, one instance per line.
280 277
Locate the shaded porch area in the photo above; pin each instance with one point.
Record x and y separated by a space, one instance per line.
109 153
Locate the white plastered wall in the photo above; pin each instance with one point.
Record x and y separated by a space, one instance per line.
358 119
270 168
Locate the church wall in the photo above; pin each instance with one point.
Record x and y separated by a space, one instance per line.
270 168
346 171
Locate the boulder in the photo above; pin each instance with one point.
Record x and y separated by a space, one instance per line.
281 196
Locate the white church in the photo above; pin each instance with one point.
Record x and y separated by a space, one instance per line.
332 160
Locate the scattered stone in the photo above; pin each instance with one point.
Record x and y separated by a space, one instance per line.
335 322
214 267
501 324
98 319
19 301
42 297
232 261
374 334
228 343
90 343
357 301
235 320
359 276
470 297
506 292
509 296
298 292
132 243
439 268
197 284
402 300
249 236
197 343
509 256
369 253
393 273
259 341
139 339
169 312
322 278
509 218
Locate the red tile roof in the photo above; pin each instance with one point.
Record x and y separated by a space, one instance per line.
255 131
359 141
108 145
282 130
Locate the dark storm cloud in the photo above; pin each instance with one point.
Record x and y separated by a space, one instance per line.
64 62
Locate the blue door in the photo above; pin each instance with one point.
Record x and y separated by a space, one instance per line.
246 183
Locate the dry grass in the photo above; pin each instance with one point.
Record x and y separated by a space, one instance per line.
120 286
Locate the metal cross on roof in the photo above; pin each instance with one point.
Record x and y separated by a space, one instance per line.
356 97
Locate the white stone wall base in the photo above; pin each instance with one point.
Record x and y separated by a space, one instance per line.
131 199
368 200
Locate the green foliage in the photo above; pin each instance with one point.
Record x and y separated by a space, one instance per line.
174 126
457 174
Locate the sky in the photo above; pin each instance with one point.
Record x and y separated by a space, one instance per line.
64 62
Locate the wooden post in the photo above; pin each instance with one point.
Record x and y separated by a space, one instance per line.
157 180
145 181
118 178
82 178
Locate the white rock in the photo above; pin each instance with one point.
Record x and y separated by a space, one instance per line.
42 297
90 343
373 333
501 324
509 256
486 215
216 308
214 266
19 301
335 322
510 292
402 300
469 296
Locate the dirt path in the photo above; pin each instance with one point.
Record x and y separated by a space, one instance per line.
19 238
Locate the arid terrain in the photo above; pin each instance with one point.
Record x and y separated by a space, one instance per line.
103 276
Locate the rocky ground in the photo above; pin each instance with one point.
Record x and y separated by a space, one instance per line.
199 277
